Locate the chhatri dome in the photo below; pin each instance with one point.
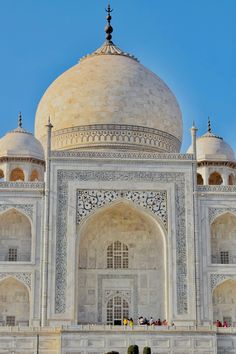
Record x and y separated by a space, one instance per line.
19 143
110 100
211 147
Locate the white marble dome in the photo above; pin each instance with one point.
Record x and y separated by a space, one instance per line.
211 147
110 100
22 144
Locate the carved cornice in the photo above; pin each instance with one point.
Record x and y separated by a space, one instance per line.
217 189
205 163
120 155
22 185
21 159
115 136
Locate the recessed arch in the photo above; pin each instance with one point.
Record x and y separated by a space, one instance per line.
14 302
117 309
15 236
199 179
34 176
215 179
124 223
2 176
16 175
231 179
224 301
223 239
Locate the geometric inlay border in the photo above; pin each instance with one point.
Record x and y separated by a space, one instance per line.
63 179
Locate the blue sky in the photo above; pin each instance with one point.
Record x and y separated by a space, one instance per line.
190 44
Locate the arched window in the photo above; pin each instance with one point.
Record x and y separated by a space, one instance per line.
117 255
15 237
117 310
1 175
199 179
215 179
231 179
17 175
224 302
223 239
14 305
34 176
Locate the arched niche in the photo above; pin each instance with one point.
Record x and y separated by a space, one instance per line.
223 239
1 175
215 179
142 281
199 179
34 176
14 303
224 302
15 237
17 174
231 179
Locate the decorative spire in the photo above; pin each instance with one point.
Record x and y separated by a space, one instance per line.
108 28
20 120
209 125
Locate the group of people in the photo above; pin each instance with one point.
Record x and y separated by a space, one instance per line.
151 322
222 324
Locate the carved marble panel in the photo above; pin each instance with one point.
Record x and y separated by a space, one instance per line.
155 201
24 277
214 212
27 209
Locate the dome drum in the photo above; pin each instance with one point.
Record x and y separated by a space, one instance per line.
115 136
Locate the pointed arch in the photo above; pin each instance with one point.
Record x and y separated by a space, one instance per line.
117 308
231 179
17 174
34 176
2 176
15 236
132 229
223 238
199 179
14 302
88 214
215 178
224 301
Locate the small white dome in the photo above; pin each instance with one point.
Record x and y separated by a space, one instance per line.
211 147
20 143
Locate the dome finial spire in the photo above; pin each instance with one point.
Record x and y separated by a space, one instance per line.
209 125
20 120
108 28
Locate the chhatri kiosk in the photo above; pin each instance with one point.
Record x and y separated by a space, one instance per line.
102 217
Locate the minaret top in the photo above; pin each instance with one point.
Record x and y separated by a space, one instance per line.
209 125
109 48
109 28
20 120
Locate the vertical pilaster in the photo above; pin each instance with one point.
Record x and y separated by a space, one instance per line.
195 217
44 302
